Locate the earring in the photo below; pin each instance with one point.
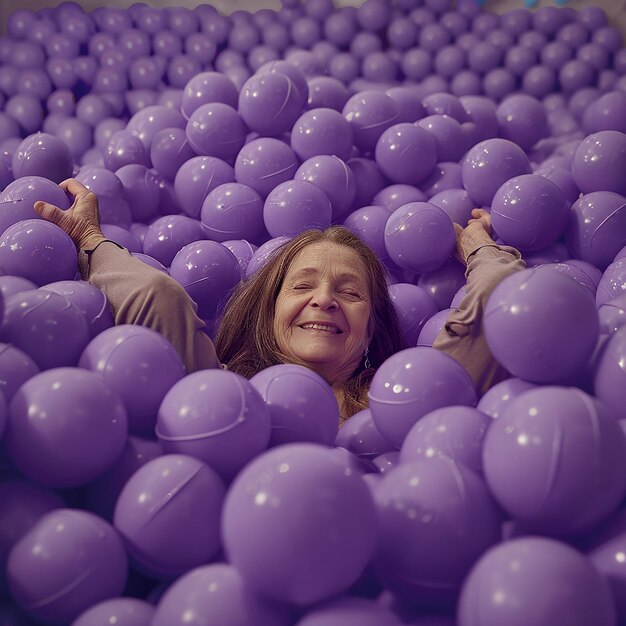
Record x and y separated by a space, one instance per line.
367 363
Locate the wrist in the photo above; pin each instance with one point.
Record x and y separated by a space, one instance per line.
91 241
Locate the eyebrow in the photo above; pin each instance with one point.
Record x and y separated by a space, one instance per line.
310 271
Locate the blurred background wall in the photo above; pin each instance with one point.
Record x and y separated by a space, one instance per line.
615 9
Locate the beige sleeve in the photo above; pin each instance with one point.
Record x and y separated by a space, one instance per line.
140 294
462 336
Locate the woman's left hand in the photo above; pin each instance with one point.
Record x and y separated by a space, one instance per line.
476 234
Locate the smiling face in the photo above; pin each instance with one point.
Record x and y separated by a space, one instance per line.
323 310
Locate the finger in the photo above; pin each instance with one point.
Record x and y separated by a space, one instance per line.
458 229
48 211
73 186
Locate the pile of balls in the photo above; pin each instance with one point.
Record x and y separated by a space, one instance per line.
135 494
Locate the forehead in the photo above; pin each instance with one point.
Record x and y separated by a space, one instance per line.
328 257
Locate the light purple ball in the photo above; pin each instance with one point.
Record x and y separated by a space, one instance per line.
444 176
141 190
302 407
38 251
205 88
295 206
393 197
140 365
369 113
16 367
18 197
613 282
456 203
456 432
88 299
231 602
499 82
350 611
334 177
168 234
119 611
149 121
359 435
326 92
400 395
609 374
166 541
196 178
522 120
326 551
264 253
537 338
414 306
265 163
370 180
203 264
529 212
448 136
406 153
425 556
496 399
226 434
442 283
233 211
67 562
529 588
596 229
599 162
322 131
489 164
243 251
216 129
124 148
170 149
419 237
520 449
43 155
87 422
368 224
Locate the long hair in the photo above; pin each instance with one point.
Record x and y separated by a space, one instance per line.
245 338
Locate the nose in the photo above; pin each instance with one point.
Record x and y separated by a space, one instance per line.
324 298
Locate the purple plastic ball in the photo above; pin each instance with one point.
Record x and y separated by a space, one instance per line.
448 136
529 212
38 251
605 113
169 150
231 600
489 164
168 234
233 211
414 306
320 555
496 399
302 406
141 190
395 196
599 162
87 422
166 541
515 583
419 237
216 129
368 224
456 432
416 64
443 283
140 365
444 176
202 264
149 121
88 299
205 88
18 198
334 177
414 382
369 113
609 374
406 153
456 203
124 148
225 434
549 425
295 206
16 367
67 562
522 120
613 282
326 92
350 611
243 251
265 163
44 155
119 611
196 178
114 209
263 254
322 131
536 337
370 180
425 556
360 436
597 227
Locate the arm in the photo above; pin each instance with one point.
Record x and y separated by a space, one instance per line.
487 264
138 293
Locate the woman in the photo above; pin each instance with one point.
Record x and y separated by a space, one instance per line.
321 302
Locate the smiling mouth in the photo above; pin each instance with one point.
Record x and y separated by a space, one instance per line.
324 328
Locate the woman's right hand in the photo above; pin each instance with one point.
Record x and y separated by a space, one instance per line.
81 221
475 235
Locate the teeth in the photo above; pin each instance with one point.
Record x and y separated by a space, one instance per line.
328 329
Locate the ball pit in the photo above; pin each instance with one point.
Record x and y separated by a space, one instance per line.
210 140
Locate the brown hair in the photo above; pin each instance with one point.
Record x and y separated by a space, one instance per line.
245 338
